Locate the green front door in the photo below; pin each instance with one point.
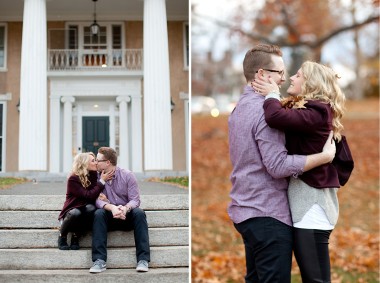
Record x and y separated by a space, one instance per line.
95 133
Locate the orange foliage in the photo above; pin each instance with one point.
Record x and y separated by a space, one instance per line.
217 248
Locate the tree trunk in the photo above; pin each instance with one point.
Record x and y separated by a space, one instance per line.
358 87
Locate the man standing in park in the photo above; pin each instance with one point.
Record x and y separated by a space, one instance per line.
118 209
259 206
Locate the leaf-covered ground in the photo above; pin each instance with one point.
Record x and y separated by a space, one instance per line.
217 249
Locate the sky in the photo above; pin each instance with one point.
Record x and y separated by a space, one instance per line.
338 52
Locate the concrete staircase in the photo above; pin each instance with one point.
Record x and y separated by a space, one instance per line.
29 253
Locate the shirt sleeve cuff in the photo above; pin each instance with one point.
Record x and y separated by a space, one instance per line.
132 204
273 94
102 181
300 162
100 203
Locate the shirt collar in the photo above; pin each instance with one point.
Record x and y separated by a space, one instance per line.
249 90
117 172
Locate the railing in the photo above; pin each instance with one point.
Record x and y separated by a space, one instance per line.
81 59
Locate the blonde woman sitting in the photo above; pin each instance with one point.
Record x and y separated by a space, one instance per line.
82 191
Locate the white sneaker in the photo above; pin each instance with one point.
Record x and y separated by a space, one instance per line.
98 266
142 266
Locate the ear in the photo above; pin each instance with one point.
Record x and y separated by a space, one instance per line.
260 72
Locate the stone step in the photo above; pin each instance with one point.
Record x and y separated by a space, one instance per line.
37 238
55 202
25 259
155 275
49 219
62 177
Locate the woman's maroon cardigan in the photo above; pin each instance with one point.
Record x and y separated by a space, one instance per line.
307 130
78 196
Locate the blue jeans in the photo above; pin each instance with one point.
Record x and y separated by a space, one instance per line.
268 250
104 222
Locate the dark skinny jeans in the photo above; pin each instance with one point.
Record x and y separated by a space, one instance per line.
311 250
78 220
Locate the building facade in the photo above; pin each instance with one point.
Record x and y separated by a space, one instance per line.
66 88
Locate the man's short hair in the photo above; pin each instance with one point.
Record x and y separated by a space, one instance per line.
259 57
109 154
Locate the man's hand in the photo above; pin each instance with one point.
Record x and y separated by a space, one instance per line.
125 209
117 212
329 148
324 157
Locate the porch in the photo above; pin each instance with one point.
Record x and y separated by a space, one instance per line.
95 59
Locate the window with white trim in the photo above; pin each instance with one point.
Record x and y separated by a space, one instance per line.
3 46
79 36
91 41
103 49
186 46
73 37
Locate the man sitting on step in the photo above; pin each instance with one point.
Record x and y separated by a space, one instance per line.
118 209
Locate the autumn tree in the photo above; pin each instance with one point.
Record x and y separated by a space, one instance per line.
304 26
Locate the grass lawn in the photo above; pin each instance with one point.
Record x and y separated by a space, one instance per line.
8 182
182 182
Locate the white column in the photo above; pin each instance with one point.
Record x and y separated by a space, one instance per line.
112 129
157 114
123 132
136 132
79 125
33 88
55 140
67 132
185 98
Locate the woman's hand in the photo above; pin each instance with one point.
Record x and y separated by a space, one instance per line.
103 197
264 87
107 175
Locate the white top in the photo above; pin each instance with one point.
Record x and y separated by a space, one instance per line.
315 218
312 208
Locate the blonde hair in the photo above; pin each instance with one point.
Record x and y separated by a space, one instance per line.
80 167
321 83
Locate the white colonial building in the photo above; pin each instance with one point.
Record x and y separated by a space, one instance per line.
78 75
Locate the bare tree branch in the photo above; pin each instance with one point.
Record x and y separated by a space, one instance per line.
325 38
284 43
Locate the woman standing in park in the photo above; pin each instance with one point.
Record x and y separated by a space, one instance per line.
82 191
314 108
